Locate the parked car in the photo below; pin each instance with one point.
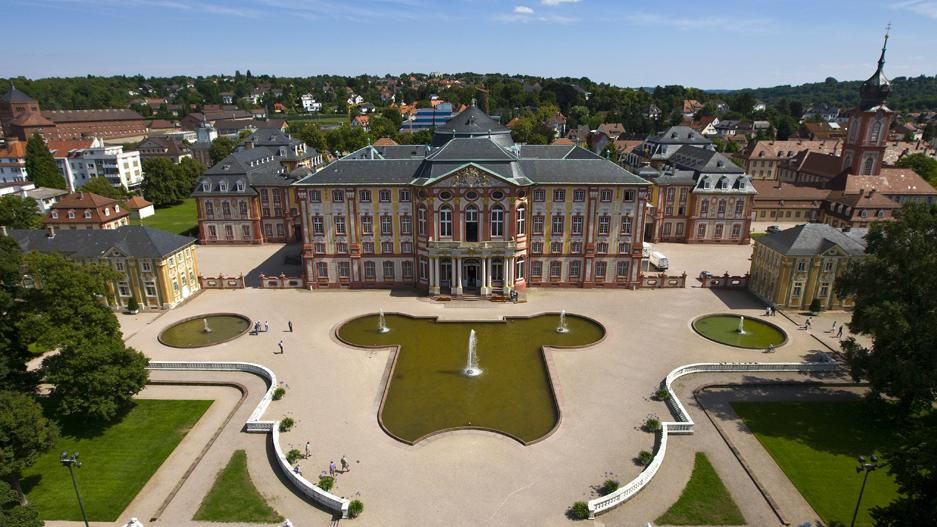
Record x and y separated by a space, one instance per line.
773 228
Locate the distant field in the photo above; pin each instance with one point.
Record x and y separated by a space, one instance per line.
300 119
180 219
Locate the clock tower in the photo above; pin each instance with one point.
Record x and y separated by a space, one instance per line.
869 124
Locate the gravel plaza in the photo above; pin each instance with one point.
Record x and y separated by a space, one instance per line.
466 477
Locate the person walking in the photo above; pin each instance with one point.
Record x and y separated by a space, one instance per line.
834 327
807 323
839 334
290 324
307 451
266 326
332 468
281 346
345 466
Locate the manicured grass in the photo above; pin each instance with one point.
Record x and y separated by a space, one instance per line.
704 501
299 120
180 219
756 235
816 444
117 460
234 498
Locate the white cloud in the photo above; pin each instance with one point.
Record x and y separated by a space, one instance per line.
558 2
523 10
730 25
926 8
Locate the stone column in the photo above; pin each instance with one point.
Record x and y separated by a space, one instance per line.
434 274
505 283
457 273
485 289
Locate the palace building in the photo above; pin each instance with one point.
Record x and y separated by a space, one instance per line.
471 214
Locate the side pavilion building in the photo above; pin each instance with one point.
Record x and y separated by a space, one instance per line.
471 214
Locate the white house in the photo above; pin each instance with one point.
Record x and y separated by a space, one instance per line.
110 161
310 104
13 161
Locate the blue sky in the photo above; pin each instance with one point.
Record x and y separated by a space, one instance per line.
718 44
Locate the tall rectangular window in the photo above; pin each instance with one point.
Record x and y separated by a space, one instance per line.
559 195
339 225
367 227
626 225
364 196
344 269
421 221
445 222
623 266
404 196
557 225
406 225
701 231
322 270
388 271
370 271
406 267
338 196
600 269
318 226
387 226
579 195
497 222
577 224
521 221
540 195
538 224
604 224
384 196
556 269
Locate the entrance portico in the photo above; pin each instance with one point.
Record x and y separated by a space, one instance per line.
460 268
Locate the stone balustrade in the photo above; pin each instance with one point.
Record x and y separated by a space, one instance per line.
255 424
684 423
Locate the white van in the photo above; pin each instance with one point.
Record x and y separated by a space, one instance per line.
659 261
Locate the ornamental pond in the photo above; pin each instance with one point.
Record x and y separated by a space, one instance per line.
740 332
431 391
205 330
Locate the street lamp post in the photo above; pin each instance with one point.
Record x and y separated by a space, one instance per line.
865 468
71 462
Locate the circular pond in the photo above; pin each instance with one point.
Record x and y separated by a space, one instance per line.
205 330
489 375
735 330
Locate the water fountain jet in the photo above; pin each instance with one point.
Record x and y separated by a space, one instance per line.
381 323
741 329
562 328
471 364
205 328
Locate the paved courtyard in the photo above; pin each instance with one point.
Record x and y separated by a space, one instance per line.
464 477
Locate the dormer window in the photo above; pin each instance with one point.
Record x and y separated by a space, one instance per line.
107 212
55 214
240 186
71 214
116 208
223 186
206 186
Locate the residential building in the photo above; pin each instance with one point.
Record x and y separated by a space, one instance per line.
46 197
122 169
690 107
164 147
763 158
777 201
612 130
793 267
246 198
557 123
361 121
158 268
657 149
86 211
309 103
473 214
427 118
161 127
13 161
821 131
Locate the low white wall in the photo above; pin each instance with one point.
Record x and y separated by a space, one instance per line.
254 424
684 423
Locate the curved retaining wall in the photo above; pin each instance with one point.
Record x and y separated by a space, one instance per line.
254 424
684 423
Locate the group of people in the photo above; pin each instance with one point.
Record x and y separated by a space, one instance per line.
770 311
333 469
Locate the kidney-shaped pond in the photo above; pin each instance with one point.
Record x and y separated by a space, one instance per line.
428 391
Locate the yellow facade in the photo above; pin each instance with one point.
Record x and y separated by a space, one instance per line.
794 281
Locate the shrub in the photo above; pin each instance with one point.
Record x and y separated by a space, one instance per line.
132 304
326 482
662 394
579 511
286 424
355 508
652 424
279 393
815 306
645 457
293 456
609 487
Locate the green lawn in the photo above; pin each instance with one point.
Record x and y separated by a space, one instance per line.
756 235
180 219
116 461
234 498
816 444
300 119
704 501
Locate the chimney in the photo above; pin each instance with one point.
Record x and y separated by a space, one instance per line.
50 231
81 195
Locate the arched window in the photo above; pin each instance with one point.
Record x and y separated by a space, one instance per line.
876 132
722 206
445 222
521 220
497 221
867 166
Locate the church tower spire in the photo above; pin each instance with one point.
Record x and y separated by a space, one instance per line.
869 124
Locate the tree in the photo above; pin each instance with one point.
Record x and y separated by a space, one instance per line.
925 166
161 182
24 434
12 511
101 186
911 461
40 165
220 149
19 213
95 379
68 307
895 292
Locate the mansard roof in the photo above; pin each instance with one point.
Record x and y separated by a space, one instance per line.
703 160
